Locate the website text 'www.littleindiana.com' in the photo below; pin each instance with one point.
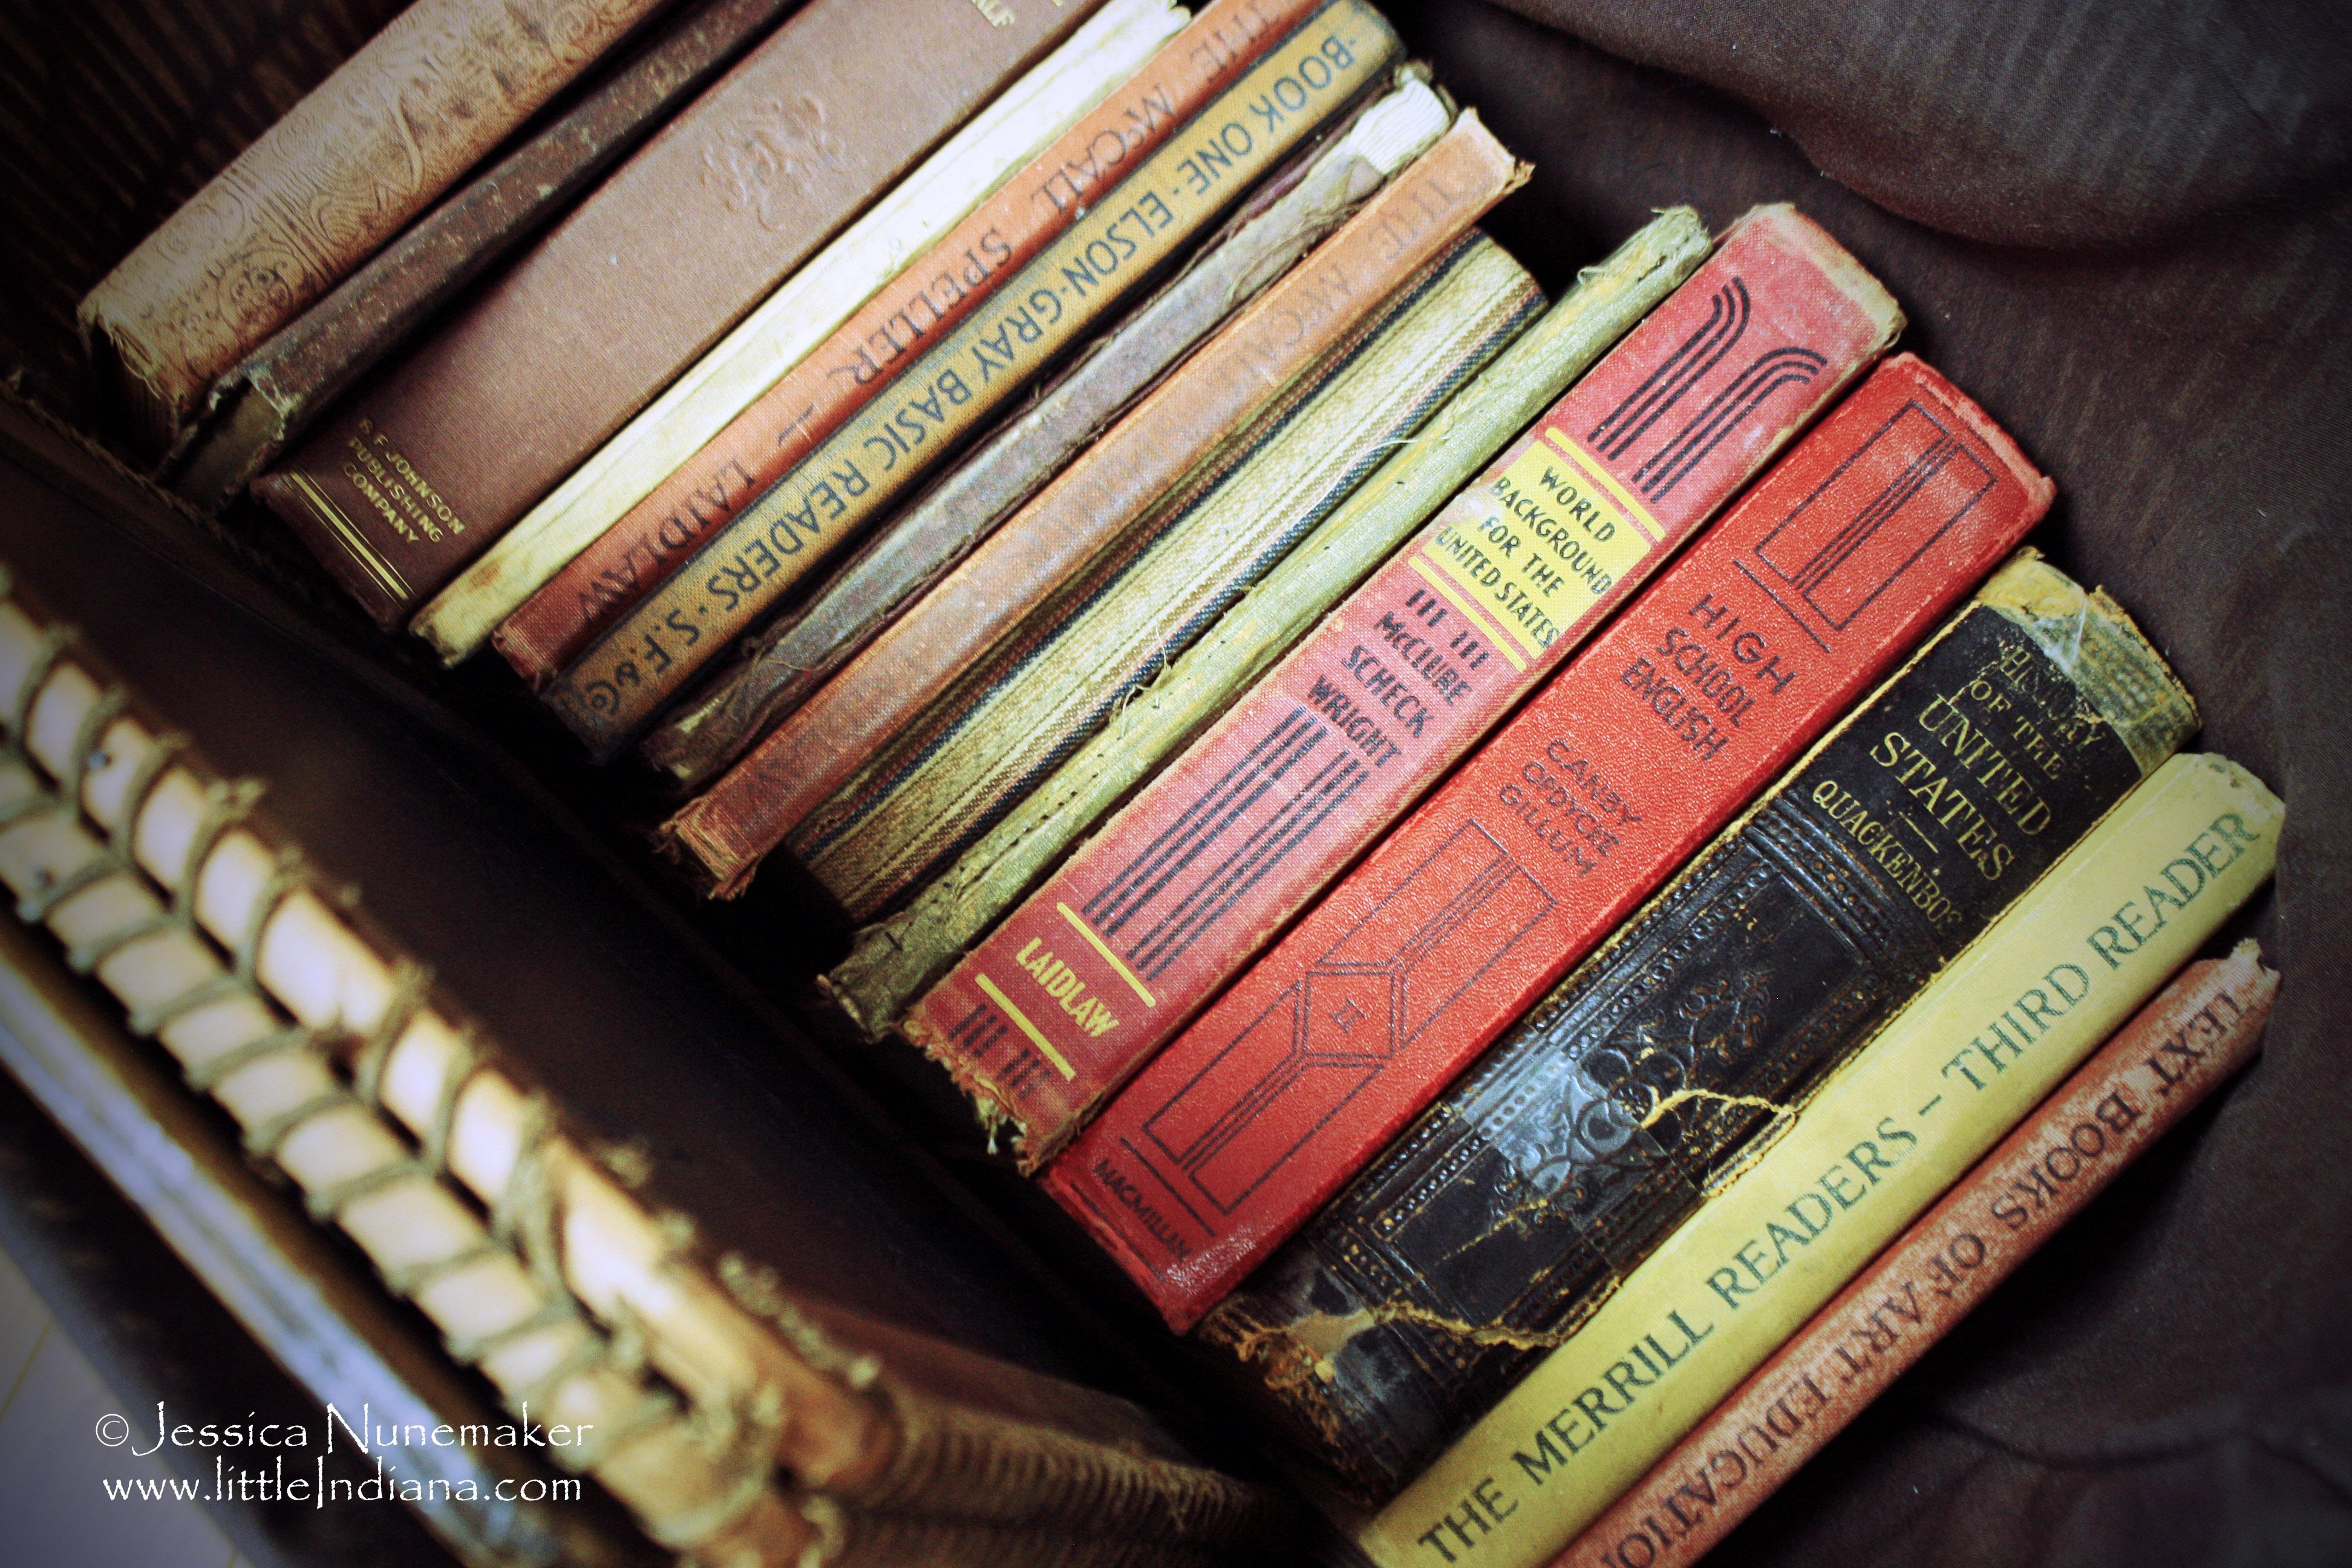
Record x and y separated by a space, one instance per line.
287 1461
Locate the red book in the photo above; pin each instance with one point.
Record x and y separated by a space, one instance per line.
2205 1026
1810 588
1140 928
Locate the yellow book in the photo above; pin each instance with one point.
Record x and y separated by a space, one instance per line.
1880 1142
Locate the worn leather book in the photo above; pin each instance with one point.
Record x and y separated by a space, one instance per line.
2177 1050
1293 210
1146 220
805 333
1182 888
1528 1190
640 540
735 1422
446 446
366 151
1117 625
1883 1138
893 961
1792 606
1193 423
273 394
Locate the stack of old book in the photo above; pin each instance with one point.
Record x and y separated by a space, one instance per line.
1549 878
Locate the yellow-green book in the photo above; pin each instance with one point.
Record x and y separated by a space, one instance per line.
1880 1142
1007 724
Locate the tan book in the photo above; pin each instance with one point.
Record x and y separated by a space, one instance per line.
368 149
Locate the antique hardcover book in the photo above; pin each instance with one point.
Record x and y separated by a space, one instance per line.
366 151
1881 1139
733 1421
1490 1229
1292 211
271 396
1818 579
2178 1049
797 334
1116 625
456 438
892 961
738 573
1191 418
1184 886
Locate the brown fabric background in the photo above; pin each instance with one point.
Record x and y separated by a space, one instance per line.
2128 229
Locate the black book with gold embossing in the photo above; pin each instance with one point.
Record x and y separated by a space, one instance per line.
1508 1212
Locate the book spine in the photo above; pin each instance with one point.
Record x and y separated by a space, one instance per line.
273 394
1497 1220
1960 1065
1188 421
891 962
737 576
1118 625
2202 1028
1291 212
444 450
355 160
1183 884
1734 660
640 540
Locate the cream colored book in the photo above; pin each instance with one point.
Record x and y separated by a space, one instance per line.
1884 1137
803 311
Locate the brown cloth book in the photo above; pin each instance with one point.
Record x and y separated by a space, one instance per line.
363 154
425 467
266 402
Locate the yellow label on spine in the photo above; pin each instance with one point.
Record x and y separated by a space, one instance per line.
739 575
1541 545
1882 1138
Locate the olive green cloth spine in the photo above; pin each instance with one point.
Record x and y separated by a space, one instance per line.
1019 714
893 961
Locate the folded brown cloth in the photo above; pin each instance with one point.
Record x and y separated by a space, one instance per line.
2127 228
